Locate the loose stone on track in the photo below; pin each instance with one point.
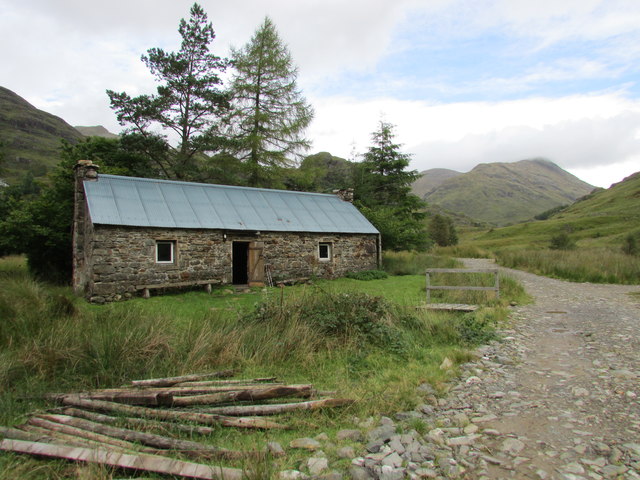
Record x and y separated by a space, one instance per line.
557 398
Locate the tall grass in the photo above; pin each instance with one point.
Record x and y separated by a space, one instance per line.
601 265
47 340
13 266
414 263
510 290
463 251
52 342
364 339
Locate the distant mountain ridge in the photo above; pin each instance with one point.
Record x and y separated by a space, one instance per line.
31 137
503 193
432 179
95 131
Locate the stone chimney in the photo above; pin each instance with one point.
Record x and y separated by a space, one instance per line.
84 170
345 194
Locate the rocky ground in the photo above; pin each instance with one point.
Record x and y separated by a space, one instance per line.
557 398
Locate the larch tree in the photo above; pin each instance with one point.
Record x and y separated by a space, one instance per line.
189 101
269 113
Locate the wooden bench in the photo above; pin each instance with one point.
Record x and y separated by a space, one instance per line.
146 289
458 306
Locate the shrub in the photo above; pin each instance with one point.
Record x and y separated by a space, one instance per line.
443 231
630 246
349 318
562 241
475 329
551 212
367 275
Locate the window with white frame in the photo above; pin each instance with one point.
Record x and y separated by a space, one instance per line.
324 251
165 251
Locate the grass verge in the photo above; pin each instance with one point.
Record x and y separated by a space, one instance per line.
596 265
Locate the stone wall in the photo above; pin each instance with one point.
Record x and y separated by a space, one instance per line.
121 261
295 255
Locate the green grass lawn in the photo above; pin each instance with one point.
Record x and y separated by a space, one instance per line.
366 340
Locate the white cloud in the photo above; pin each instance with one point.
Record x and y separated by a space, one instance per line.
553 21
70 51
578 133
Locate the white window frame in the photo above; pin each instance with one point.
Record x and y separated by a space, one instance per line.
172 244
329 256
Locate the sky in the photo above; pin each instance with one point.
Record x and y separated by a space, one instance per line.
463 81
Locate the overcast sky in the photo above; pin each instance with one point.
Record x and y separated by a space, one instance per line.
464 81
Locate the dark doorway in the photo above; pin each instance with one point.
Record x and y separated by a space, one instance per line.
240 263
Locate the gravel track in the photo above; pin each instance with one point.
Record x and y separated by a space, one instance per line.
560 396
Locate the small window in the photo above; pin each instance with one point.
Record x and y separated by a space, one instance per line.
165 251
324 252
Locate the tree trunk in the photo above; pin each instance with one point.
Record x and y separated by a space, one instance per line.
250 381
202 418
106 440
251 394
275 409
59 438
128 396
192 449
169 381
154 396
150 463
16 434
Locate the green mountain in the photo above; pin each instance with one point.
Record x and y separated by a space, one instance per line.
30 137
602 218
506 193
432 179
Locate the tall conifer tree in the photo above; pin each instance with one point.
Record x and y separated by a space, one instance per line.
189 101
383 192
269 113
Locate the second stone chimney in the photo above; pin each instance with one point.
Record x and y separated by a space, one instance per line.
345 194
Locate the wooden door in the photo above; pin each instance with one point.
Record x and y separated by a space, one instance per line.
256 264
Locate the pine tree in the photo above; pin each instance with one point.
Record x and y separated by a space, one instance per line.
189 101
383 192
269 113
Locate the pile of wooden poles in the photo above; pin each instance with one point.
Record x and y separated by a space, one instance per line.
111 426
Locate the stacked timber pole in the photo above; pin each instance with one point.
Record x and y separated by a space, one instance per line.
111 426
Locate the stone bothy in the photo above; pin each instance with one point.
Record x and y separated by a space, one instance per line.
134 235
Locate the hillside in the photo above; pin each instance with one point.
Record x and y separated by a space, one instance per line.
505 193
603 218
31 137
432 179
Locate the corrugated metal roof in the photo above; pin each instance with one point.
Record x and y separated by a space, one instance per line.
144 202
